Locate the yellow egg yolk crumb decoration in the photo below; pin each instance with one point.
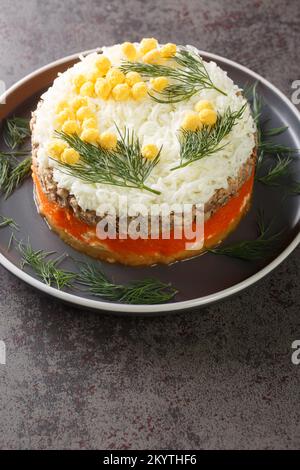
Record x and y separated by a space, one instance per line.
150 151
204 114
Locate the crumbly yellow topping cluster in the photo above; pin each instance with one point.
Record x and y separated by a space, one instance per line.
78 116
105 81
203 114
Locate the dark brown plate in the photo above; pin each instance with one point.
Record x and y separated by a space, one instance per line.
200 281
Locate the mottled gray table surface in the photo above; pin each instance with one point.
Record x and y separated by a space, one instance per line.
220 377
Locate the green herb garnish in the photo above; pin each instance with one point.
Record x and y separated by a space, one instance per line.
252 250
276 172
294 188
125 166
264 145
13 154
257 103
203 142
190 76
46 269
146 291
13 172
12 177
8 222
16 130
271 148
11 239
275 131
5 169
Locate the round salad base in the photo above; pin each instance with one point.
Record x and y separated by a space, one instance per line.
82 237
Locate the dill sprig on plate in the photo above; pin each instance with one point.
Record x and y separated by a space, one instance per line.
205 141
5 169
13 171
46 269
276 172
15 132
262 247
275 131
125 166
14 154
189 76
268 148
264 145
14 176
146 291
294 188
8 222
272 148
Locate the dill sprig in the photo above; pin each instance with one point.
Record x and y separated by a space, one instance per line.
13 154
46 269
8 222
272 148
10 241
203 142
275 131
252 250
257 103
189 76
125 166
276 172
5 169
264 145
13 176
15 132
12 171
147 291
294 188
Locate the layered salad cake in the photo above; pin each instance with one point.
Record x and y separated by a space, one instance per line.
142 125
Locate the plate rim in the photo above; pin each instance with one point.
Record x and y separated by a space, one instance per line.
170 307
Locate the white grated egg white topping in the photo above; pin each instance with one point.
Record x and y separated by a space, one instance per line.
153 123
